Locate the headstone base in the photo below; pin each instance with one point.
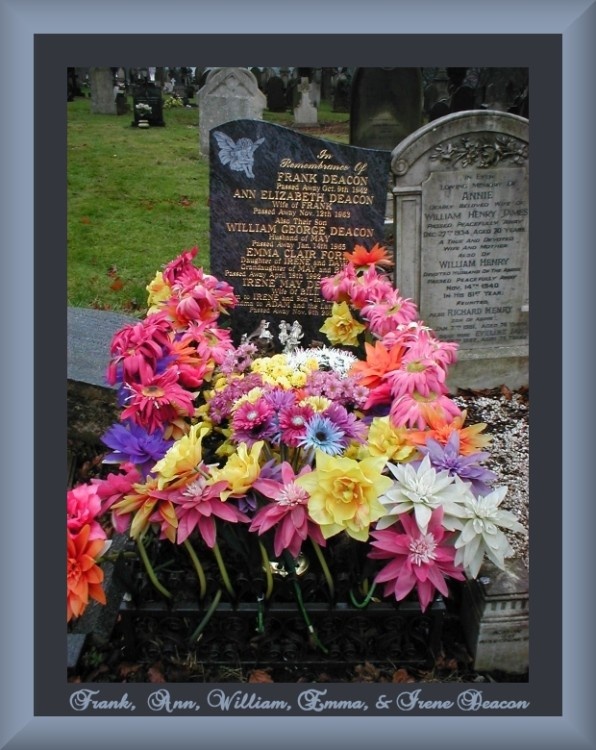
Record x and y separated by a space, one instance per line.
495 619
482 369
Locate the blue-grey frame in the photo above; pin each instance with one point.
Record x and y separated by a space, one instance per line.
38 41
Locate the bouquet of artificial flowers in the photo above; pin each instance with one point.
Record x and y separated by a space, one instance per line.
358 441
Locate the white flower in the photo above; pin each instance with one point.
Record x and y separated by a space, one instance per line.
423 490
326 357
480 531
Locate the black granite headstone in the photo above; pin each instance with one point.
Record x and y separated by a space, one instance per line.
149 94
341 94
386 106
276 94
285 207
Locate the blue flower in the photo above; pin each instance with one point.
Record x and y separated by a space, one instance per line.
132 443
322 434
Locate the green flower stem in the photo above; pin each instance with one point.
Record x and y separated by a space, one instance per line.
306 618
290 564
223 571
203 624
267 567
149 568
364 603
260 619
325 567
198 567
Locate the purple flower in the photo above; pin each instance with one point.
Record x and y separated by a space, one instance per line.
132 443
349 424
467 468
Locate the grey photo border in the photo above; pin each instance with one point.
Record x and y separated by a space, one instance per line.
573 23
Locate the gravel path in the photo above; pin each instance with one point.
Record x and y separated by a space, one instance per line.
506 414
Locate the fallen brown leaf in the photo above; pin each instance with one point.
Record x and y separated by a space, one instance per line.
259 675
402 675
366 672
155 674
126 668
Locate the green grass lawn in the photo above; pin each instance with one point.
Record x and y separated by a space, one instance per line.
137 198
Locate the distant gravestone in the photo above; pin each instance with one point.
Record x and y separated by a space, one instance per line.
284 209
305 112
341 93
386 106
103 101
228 94
501 88
148 94
461 240
276 94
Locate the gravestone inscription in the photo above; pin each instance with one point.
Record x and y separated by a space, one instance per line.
285 207
461 233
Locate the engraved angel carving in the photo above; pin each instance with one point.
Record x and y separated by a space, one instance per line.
239 155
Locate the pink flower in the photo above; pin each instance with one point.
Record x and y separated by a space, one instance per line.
292 422
369 286
253 421
137 347
193 366
418 371
417 410
180 266
198 504
388 313
338 288
201 298
113 488
83 505
417 560
158 400
288 512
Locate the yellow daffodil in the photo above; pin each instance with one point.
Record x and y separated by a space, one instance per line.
241 470
159 291
391 442
341 328
344 494
183 458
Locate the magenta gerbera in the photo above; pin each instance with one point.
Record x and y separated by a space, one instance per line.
288 513
253 421
292 423
417 560
158 400
137 347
